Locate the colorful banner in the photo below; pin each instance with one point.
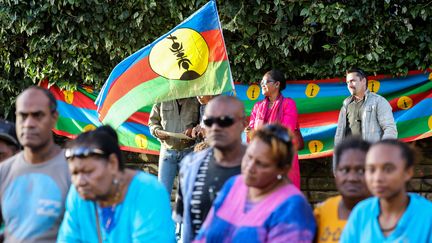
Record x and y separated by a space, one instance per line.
189 60
318 103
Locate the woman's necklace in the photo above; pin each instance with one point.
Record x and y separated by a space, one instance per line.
271 102
108 213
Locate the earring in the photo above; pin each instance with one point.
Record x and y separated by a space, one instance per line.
115 181
279 177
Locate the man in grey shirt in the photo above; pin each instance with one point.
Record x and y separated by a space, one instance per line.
364 113
34 182
166 118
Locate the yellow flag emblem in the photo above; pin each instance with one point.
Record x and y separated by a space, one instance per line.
141 141
312 90
183 55
315 146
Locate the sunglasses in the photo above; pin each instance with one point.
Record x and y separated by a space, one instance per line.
222 121
278 132
83 152
267 81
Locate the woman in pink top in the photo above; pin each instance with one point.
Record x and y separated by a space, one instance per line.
276 108
261 204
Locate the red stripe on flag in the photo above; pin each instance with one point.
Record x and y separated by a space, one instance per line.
318 118
316 155
139 150
342 79
74 98
417 137
135 75
216 46
140 118
416 98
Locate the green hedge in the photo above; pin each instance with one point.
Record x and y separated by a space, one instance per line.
80 41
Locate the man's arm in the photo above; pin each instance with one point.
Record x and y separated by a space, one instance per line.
155 119
386 119
339 128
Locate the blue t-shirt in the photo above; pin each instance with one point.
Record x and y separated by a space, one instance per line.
33 197
415 225
143 216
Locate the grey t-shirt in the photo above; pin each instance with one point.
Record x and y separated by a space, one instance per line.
33 198
354 118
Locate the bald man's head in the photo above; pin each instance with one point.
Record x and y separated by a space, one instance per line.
224 120
36 115
230 101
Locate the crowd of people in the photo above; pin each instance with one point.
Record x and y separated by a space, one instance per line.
228 191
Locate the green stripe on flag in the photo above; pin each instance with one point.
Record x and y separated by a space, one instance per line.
139 141
310 146
406 128
312 105
411 91
71 126
307 105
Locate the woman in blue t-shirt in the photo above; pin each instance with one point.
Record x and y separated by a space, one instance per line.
108 202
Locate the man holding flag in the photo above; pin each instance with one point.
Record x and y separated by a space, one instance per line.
175 116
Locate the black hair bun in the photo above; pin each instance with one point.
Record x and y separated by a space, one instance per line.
108 130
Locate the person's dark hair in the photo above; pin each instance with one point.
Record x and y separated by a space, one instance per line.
103 138
52 100
360 73
277 75
349 143
407 153
279 139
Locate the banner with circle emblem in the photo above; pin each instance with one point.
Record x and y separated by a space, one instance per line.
318 103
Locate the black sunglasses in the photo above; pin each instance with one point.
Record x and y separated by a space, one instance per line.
222 121
279 132
83 152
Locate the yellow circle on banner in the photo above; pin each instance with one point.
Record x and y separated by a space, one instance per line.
68 96
183 55
430 76
430 122
141 141
404 102
89 127
312 90
374 85
315 146
253 92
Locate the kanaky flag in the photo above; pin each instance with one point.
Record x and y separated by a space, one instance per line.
189 60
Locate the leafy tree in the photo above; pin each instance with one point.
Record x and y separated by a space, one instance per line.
80 41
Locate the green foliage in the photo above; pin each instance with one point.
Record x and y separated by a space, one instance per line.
80 41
